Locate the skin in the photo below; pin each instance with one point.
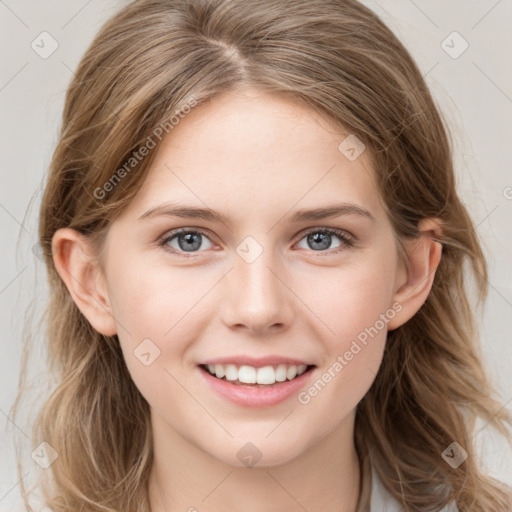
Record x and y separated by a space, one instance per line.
257 158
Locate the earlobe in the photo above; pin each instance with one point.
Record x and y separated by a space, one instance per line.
82 275
414 283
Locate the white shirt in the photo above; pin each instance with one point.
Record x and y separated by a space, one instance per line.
382 501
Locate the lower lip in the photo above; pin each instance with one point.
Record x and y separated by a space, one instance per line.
253 396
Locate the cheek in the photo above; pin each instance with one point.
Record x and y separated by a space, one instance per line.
358 318
155 302
350 299
341 384
153 312
352 311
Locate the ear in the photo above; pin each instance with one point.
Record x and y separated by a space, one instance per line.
414 281
80 270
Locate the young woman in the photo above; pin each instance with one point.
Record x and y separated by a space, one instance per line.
256 258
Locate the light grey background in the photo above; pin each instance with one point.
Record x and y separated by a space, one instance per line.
474 91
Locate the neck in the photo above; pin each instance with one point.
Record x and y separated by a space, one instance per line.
325 477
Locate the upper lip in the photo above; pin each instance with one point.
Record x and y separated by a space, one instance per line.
256 362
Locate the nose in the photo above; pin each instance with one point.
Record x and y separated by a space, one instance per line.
258 298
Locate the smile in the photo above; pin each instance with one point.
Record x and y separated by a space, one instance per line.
252 386
257 377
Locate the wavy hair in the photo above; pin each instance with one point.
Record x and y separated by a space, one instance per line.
339 59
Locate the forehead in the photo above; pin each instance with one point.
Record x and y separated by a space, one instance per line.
259 152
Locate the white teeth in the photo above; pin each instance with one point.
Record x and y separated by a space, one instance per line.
219 371
281 373
249 375
266 375
231 372
291 372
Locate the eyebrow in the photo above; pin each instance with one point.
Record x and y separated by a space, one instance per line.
192 212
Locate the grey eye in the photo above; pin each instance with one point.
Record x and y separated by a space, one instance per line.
187 241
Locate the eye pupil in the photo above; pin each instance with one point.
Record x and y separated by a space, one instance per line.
190 238
324 239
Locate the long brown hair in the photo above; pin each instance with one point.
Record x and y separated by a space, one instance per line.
338 58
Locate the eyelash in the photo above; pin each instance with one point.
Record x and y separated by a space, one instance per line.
346 238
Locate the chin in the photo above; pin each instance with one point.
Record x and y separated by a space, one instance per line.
259 453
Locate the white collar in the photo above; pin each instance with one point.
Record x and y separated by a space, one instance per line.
382 501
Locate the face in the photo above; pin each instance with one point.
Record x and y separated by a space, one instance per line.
265 285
